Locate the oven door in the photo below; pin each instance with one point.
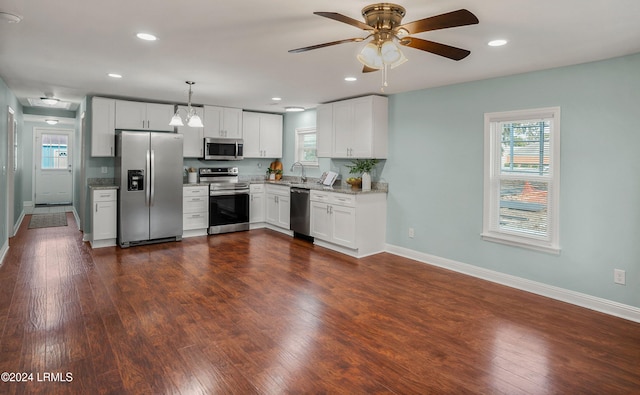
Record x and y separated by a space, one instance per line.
228 211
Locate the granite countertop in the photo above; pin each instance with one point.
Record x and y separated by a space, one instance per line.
99 187
376 187
102 183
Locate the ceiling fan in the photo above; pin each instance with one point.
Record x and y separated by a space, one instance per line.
383 23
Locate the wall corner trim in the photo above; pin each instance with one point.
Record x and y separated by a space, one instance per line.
606 306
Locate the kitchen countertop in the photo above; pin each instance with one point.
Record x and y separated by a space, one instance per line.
98 187
376 187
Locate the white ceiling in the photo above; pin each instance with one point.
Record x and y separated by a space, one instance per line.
236 50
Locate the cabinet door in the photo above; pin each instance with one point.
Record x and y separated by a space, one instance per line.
272 208
320 225
342 129
212 121
362 131
193 143
257 208
284 211
343 225
251 133
271 135
103 117
131 115
158 117
104 220
324 130
232 123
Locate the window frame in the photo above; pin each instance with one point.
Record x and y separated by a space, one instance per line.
298 133
493 176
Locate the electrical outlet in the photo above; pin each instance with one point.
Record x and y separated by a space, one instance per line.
104 170
411 233
619 276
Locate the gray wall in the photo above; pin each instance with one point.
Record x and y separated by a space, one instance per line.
435 169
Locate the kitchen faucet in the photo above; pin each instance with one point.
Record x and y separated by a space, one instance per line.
304 175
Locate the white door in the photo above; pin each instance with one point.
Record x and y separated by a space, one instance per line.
53 175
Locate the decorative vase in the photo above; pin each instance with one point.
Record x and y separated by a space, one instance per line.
366 181
192 178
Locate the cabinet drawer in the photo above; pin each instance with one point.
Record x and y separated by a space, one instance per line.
343 199
195 191
195 204
256 188
104 195
281 190
195 221
319 196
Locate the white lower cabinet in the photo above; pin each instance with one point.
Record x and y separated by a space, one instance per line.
257 206
195 210
351 224
278 204
103 218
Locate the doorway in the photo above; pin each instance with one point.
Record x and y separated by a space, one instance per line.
53 168
12 156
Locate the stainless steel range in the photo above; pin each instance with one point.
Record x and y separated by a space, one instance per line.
228 199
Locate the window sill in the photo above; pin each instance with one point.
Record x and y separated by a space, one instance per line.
521 242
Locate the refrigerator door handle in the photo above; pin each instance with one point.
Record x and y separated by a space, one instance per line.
147 181
153 178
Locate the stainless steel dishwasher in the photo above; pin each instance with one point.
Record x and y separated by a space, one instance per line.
300 212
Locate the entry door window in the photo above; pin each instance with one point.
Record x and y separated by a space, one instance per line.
54 151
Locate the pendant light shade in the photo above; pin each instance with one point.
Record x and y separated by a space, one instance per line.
193 120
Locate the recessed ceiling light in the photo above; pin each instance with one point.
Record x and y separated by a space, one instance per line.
146 36
114 75
350 79
51 121
276 98
497 43
10 17
293 109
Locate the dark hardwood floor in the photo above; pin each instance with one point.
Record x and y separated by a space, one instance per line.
259 312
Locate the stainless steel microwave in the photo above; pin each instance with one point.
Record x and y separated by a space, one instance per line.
223 149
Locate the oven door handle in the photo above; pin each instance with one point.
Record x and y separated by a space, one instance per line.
229 192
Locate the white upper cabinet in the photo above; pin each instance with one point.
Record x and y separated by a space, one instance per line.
131 115
222 122
193 145
262 135
324 130
354 128
103 116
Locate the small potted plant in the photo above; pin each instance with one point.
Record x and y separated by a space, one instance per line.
274 174
363 167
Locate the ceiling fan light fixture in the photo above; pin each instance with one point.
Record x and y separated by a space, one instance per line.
10 17
370 56
390 53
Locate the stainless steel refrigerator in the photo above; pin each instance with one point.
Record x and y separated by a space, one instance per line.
149 175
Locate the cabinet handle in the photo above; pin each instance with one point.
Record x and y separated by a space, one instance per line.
111 148
96 207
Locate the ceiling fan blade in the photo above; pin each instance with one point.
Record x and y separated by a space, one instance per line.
367 69
348 40
443 21
344 19
436 48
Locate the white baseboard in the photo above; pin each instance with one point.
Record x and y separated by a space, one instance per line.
77 217
17 226
3 251
606 306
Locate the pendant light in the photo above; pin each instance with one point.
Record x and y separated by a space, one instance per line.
193 120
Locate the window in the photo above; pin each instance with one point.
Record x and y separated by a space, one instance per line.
522 178
306 148
54 151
